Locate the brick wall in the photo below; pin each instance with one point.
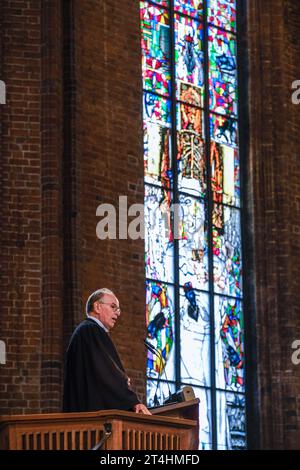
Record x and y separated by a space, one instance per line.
51 129
274 51
21 238
71 140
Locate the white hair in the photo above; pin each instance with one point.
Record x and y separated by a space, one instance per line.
97 295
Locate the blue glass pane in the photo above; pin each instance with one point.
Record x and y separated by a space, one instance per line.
229 344
159 246
222 13
160 330
194 336
223 130
155 44
191 150
231 421
189 59
222 72
157 109
157 140
227 251
225 174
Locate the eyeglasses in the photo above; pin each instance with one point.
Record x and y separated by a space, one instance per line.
113 306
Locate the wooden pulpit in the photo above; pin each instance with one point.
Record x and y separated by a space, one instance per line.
171 427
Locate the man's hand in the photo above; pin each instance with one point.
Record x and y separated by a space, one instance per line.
140 408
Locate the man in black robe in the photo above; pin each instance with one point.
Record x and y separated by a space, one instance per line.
95 378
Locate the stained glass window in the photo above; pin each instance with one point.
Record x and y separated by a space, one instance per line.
193 212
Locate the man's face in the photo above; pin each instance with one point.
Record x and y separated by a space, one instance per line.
108 310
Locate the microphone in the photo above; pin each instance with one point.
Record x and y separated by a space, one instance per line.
158 354
151 348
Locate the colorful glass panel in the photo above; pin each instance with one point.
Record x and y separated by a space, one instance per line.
192 235
157 141
190 94
231 421
194 336
159 246
225 174
227 251
192 8
155 48
222 72
157 109
189 56
229 344
191 150
164 3
223 130
190 118
222 13
160 329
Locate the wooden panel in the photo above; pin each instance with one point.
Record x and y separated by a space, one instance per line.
82 431
141 440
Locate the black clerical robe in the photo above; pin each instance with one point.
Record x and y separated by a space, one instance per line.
95 378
